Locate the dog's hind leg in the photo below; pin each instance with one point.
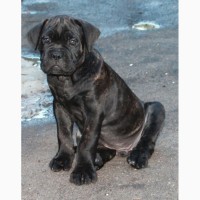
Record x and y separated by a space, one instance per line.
103 155
138 157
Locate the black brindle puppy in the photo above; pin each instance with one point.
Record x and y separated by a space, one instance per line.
89 93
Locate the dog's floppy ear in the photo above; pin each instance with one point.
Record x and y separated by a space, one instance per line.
91 33
34 34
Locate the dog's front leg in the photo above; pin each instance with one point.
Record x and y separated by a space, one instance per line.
84 171
65 155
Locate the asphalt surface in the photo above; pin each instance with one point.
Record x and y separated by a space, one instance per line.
110 16
149 64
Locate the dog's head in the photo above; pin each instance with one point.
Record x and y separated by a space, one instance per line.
63 43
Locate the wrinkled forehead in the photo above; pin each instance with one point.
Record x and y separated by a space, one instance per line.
60 24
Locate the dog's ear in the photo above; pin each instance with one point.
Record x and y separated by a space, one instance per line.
34 34
90 33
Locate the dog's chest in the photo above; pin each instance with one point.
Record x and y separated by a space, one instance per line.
62 90
61 87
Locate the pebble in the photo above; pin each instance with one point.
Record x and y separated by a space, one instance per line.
131 65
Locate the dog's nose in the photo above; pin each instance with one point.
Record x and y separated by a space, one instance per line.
56 55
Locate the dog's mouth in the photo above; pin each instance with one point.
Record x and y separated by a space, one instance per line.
56 70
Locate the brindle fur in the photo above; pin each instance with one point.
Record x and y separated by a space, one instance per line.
88 92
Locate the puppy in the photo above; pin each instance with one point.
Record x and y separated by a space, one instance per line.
89 93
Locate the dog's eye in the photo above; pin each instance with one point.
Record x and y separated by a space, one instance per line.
73 41
46 40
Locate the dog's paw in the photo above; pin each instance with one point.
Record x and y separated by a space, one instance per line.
98 163
84 174
62 162
138 159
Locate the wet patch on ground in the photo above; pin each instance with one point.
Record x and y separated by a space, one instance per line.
36 99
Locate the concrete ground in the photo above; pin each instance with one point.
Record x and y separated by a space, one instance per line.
148 62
